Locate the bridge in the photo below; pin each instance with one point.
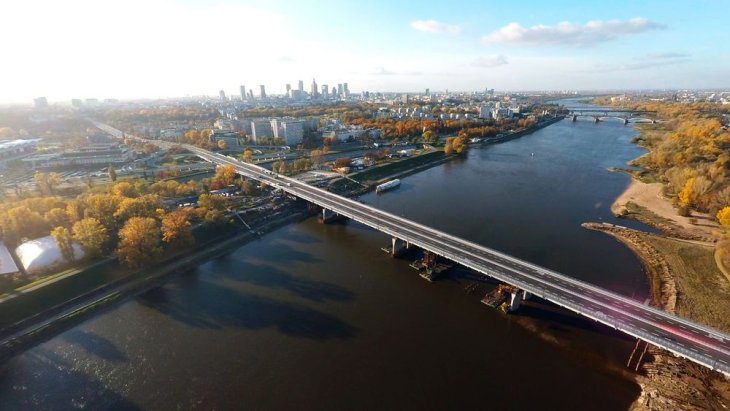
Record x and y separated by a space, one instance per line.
684 338
625 115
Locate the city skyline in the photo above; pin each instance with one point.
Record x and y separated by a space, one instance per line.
64 54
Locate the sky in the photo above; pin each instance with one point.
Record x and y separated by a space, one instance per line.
173 48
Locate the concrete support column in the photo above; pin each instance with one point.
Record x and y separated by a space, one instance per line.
399 247
526 295
575 117
328 215
626 121
515 301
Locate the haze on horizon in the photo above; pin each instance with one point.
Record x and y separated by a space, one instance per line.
172 48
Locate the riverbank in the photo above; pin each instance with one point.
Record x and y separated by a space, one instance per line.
44 325
685 279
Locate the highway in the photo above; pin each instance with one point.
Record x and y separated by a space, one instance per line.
698 343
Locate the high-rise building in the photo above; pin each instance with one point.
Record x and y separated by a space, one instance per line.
292 131
346 90
301 86
428 92
334 92
325 92
243 92
40 102
261 129
263 91
222 95
250 94
288 90
314 91
76 102
340 90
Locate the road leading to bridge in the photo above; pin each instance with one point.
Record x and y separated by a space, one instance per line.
684 338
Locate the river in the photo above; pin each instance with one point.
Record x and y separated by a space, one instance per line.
316 316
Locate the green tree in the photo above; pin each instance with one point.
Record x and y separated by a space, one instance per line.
112 173
64 242
91 234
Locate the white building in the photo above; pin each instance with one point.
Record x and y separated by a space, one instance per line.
88 155
43 253
292 131
7 264
485 112
261 129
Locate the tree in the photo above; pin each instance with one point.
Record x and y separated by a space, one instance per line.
449 146
149 148
222 144
102 207
139 241
723 217
224 175
176 229
91 234
279 167
687 194
64 242
247 155
429 136
112 173
316 156
343 162
47 182
124 189
248 188
57 217
145 206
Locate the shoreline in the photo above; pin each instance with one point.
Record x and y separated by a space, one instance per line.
662 388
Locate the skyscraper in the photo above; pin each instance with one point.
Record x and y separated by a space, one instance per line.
263 91
288 90
243 92
340 90
222 95
40 102
325 91
334 92
346 90
301 86
314 90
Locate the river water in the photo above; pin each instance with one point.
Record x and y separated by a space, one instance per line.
316 316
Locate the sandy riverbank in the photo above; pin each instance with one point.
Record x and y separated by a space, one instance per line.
684 279
656 210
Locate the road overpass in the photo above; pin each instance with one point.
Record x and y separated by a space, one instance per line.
698 343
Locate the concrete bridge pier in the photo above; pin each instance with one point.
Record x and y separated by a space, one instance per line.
399 247
596 119
526 295
575 117
626 121
329 216
515 300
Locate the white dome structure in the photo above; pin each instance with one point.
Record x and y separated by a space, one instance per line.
7 265
42 253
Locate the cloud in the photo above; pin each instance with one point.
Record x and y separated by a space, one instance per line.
490 61
667 56
433 26
570 34
648 61
382 71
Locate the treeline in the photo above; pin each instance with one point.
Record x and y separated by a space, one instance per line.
343 111
127 218
125 119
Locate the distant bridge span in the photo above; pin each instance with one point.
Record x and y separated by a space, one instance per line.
684 338
625 115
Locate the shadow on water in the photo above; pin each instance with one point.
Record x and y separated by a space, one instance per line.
95 344
271 277
300 237
273 250
42 388
210 306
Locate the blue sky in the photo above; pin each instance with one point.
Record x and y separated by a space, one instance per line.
166 48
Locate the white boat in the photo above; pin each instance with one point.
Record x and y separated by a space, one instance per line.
387 186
